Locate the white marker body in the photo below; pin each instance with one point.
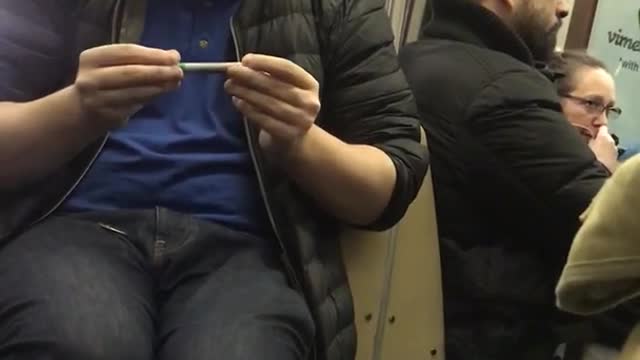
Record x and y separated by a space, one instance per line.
207 67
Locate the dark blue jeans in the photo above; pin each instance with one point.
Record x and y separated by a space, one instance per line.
147 285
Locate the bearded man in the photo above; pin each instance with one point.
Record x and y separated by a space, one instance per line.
511 175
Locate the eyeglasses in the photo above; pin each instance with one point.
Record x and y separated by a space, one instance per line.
596 108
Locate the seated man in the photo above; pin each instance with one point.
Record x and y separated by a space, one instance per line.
190 232
511 175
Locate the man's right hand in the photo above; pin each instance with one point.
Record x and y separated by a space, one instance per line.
115 81
604 147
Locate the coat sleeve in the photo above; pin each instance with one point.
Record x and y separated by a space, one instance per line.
34 38
529 141
367 99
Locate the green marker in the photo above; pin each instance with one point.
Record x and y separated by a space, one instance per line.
207 67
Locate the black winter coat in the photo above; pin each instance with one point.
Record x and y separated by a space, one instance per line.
511 179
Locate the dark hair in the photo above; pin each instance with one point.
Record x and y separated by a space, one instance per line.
566 64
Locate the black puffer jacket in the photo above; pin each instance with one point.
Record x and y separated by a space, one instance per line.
511 178
345 44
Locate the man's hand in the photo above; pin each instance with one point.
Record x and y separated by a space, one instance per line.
115 81
351 182
112 83
604 147
278 96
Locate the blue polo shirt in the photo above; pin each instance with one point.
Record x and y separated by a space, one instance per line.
187 150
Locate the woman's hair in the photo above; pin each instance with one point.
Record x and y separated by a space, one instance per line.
566 64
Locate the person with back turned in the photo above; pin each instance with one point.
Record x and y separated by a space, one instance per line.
511 175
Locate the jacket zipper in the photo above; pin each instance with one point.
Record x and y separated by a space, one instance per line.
257 166
285 258
66 194
114 31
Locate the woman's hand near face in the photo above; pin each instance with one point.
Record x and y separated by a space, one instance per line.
604 147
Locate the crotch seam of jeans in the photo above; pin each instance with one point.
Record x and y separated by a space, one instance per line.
120 234
113 229
186 239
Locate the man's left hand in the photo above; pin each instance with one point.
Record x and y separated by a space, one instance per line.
278 96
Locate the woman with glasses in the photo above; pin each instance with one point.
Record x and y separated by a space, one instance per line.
588 99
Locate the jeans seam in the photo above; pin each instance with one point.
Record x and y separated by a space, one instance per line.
118 233
223 233
159 244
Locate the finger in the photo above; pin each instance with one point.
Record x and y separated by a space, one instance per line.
134 96
271 106
267 84
124 54
603 130
274 127
603 133
128 76
282 69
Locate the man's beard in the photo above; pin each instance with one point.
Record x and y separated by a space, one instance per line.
540 40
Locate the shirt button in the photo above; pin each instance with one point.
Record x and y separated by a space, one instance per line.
204 43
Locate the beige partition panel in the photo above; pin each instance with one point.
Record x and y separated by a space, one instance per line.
415 319
396 283
367 257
